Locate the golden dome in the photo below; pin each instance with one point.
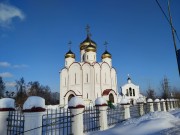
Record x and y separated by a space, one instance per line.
87 42
106 54
90 48
70 54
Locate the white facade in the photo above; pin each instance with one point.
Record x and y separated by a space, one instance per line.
131 91
88 79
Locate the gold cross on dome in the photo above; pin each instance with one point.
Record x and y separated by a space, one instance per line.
69 44
105 44
88 30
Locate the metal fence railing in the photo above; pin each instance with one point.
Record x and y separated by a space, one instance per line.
134 111
115 115
57 122
161 104
15 124
155 106
91 119
146 108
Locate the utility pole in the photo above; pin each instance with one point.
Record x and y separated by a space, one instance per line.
174 40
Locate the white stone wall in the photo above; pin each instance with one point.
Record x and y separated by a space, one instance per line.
105 76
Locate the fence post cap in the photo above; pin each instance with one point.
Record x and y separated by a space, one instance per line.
162 100
100 101
7 104
157 100
149 100
76 102
124 101
34 104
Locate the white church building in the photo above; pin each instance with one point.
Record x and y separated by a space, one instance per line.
131 91
88 78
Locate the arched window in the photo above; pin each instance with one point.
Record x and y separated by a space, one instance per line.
127 92
111 98
133 92
70 96
130 91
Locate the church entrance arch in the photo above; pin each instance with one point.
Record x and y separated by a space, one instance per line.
70 96
111 98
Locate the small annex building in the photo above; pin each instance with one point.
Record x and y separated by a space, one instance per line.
131 91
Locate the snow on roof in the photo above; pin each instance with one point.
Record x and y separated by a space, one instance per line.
34 101
75 102
156 100
7 103
100 101
149 100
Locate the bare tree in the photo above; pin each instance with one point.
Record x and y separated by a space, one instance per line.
150 93
21 95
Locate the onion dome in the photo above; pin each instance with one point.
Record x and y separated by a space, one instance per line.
87 42
70 54
106 54
90 48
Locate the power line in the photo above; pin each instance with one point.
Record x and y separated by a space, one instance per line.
167 19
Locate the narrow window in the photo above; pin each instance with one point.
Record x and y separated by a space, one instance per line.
75 78
133 92
130 91
87 57
87 95
87 78
65 82
127 93
96 78
94 57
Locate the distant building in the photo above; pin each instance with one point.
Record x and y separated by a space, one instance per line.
131 91
88 78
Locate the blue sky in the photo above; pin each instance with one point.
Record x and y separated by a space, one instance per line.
34 35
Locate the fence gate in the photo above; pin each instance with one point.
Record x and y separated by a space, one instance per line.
91 119
15 123
57 122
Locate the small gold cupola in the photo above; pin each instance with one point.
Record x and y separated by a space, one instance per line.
70 54
90 48
106 54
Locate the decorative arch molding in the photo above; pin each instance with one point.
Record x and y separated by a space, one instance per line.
64 68
108 91
76 63
71 92
105 63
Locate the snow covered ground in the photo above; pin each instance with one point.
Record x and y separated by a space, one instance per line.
156 123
